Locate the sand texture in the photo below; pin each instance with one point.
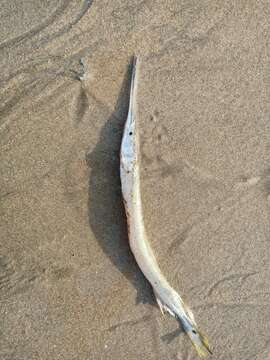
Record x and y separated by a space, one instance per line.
69 286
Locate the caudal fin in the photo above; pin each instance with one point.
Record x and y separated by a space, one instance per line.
199 341
186 317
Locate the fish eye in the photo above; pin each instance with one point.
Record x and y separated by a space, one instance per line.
194 331
130 133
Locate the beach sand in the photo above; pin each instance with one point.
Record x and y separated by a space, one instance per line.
69 286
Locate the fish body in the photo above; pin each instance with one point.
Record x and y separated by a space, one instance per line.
167 298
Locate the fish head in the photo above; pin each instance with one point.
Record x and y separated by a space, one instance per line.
129 145
128 150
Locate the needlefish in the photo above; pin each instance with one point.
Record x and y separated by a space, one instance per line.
167 298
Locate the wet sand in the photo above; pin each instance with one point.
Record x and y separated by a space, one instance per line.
69 286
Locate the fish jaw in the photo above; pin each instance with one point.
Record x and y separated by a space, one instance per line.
128 153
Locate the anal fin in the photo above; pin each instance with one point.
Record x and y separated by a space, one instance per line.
160 305
163 307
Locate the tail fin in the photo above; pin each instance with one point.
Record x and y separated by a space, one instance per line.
199 341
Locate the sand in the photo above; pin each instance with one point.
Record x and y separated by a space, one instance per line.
69 286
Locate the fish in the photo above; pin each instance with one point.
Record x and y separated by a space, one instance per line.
167 298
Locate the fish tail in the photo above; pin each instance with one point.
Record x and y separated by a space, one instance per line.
198 339
203 349
186 318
